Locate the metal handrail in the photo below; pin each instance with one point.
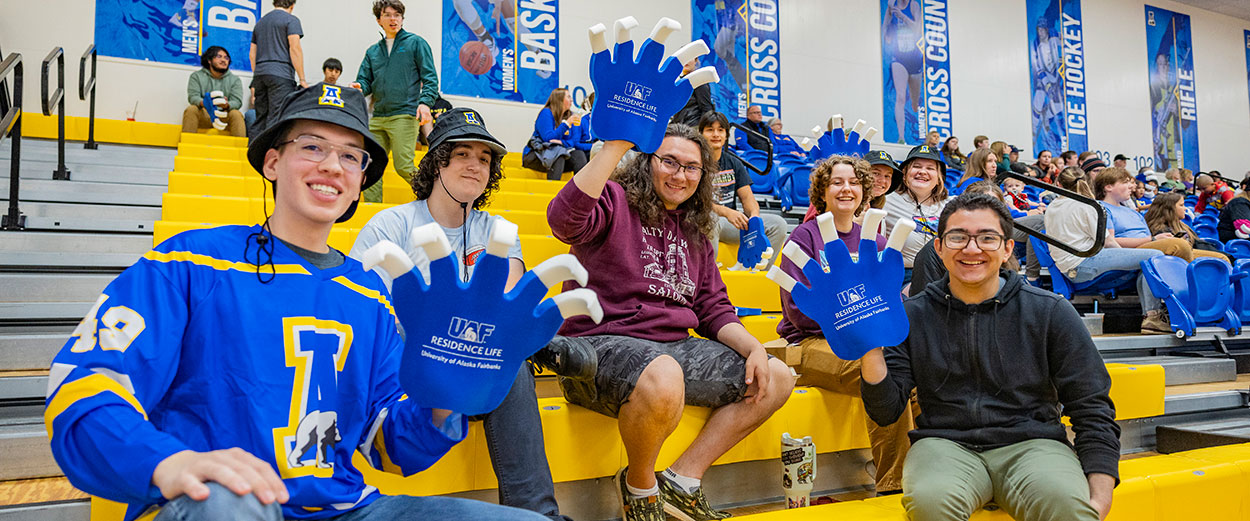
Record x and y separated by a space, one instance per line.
768 167
58 98
1100 233
87 86
11 126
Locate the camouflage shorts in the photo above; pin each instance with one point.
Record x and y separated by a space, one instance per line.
714 373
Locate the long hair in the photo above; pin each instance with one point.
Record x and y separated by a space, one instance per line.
635 176
823 173
939 191
1074 179
555 103
1162 216
433 163
976 165
952 152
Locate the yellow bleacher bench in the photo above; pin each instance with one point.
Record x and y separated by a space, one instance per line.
200 165
230 153
213 139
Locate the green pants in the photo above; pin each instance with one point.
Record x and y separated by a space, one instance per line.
398 135
1032 480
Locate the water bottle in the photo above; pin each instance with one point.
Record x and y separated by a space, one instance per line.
798 469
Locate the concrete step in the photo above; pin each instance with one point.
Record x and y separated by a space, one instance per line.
52 242
89 211
1181 370
84 171
25 387
106 154
77 510
52 287
83 192
24 442
43 313
30 351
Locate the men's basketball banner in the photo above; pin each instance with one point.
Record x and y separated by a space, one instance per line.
175 31
1057 73
1173 91
501 49
744 36
915 70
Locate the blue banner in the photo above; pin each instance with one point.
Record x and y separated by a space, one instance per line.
496 49
744 36
1247 36
175 31
915 70
1173 92
1057 67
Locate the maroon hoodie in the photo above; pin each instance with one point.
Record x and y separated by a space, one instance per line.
652 283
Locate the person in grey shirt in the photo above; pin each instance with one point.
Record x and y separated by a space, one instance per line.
276 58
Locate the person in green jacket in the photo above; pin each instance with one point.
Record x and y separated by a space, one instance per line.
214 78
399 72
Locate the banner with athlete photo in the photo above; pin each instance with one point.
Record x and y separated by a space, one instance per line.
915 70
175 31
1057 73
501 49
744 36
1247 37
1173 92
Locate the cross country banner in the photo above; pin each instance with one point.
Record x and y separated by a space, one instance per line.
175 31
501 49
915 70
1173 91
744 36
1057 73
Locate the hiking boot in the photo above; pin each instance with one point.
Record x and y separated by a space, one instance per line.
569 357
1156 323
687 507
650 508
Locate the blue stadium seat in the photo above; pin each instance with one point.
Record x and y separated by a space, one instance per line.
1109 283
1191 200
794 185
1211 210
1196 294
952 179
1205 230
760 184
1214 242
1238 248
1241 290
1206 218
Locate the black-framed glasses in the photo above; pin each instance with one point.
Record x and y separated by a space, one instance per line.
672 166
317 150
958 240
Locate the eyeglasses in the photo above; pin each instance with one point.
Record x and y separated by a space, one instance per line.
985 241
672 166
317 150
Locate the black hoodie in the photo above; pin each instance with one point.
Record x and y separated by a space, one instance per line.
996 373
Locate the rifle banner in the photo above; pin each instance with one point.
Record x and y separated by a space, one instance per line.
744 36
1057 67
915 70
501 49
175 31
1173 92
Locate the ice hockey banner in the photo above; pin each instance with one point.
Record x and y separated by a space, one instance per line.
744 36
1057 73
501 49
175 31
1173 92
915 70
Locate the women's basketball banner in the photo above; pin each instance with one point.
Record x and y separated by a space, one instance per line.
1173 92
501 49
1057 72
175 31
744 36
915 70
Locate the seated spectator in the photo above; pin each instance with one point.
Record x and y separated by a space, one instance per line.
1234 222
928 265
642 236
1211 192
1074 223
730 184
838 187
1139 200
980 142
782 143
920 197
1018 201
1047 166
1187 177
982 166
1167 216
1114 187
214 76
700 102
1067 159
1092 165
332 68
991 379
755 122
951 154
886 177
1001 152
1120 161
586 140
551 147
933 139
1013 154
1172 181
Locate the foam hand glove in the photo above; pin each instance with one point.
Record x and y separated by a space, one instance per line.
838 143
465 341
1241 227
215 104
635 97
754 250
858 304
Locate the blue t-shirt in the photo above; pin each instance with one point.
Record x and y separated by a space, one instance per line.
1126 222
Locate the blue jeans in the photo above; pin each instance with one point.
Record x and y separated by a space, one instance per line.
1121 259
514 437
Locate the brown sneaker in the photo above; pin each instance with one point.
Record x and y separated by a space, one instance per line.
1155 323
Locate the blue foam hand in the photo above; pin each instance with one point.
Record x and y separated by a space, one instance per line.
213 102
754 249
465 341
635 97
838 142
858 304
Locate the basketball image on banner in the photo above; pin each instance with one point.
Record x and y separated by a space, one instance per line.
501 49
915 70
744 37
1173 92
1057 73
175 31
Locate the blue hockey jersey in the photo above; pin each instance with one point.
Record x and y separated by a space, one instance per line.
187 349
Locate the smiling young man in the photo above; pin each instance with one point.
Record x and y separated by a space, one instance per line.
994 362
214 76
233 372
732 184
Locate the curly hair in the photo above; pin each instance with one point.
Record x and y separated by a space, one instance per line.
433 163
635 177
381 5
823 173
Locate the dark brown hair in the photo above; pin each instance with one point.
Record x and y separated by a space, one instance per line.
381 5
1162 216
976 165
635 177
1108 177
432 165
